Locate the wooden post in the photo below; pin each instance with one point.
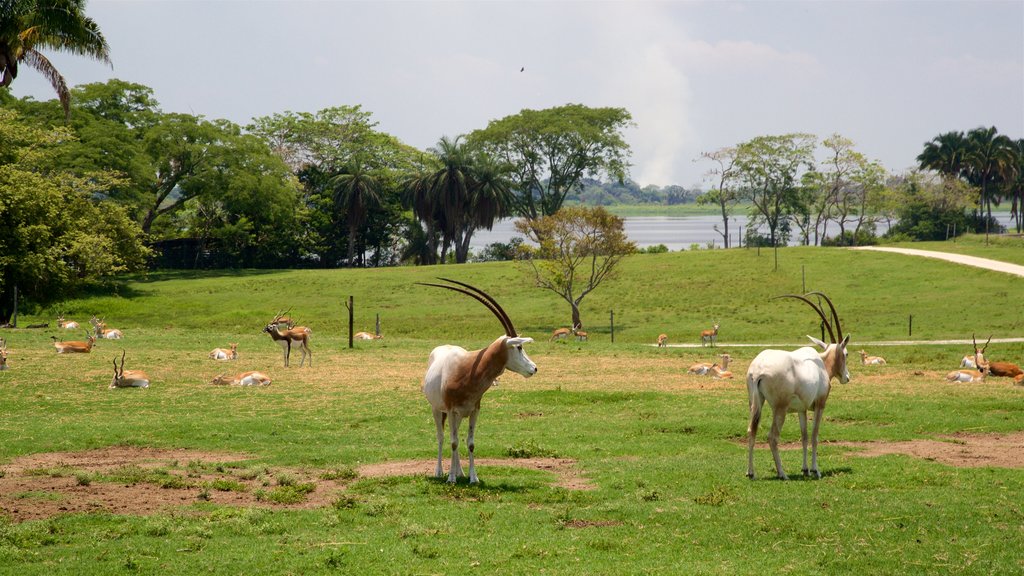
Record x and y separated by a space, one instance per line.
910 325
612 321
377 326
351 313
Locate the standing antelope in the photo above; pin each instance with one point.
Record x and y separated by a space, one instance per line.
709 336
221 354
581 336
1000 369
870 360
67 325
128 378
297 335
795 381
75 346
366 336
3 354
253 378
703 368
457 379
560 334
662 340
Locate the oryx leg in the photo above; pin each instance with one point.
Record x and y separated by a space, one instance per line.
818 412
470 446
456 467
778 419
439 418
803 438
756 405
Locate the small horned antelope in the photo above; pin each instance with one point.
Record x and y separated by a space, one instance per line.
3 354
298 335
75 346
128 378
999 369
967 375
66 324
870 360
102 331
221 354
704 368
367 336
709 336
796 381
719 372
457 379
560 334
581 336
662 340
252 378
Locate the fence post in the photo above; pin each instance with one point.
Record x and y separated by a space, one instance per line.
910 325
14 319
377 326
612 322
350 305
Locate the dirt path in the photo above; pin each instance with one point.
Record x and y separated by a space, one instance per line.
985 263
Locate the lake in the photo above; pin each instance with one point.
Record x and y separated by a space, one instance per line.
675 232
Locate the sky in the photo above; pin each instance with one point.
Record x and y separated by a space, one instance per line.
696 76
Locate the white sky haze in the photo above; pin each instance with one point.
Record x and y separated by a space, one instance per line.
696 76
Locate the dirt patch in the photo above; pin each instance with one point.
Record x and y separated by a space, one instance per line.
962 450
577 523
143 481
569 476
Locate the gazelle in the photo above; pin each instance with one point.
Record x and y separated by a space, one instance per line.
75 346
662 340
457 379
103 332
221 354
870 360
796 381
719 372
1000 369
252 378
367 336
709 336
967 375
703 368
128 378
66 324
560 334
298 335
3 354
581 336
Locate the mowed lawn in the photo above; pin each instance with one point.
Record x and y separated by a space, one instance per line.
659 455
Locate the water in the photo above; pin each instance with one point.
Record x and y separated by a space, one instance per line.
675 232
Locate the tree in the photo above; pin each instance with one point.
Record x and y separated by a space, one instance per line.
27 26
989 155
930 207
552 150
577 248
768 169
724 195
356 190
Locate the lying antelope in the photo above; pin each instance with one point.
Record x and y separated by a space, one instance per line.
709 336
252 378
102 331
967 375
75 346
221 354
128 378
367 336
999 369
560 334
662 340
298 335
457 379
870 360
66 324
703 368
719 372
796 381
3 354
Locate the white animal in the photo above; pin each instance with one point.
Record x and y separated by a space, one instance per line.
795 381
252 378
128 378
221 354
457 379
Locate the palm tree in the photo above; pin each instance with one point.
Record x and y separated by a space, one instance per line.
356 190
490 199
30 25
451 188
989 156
945 154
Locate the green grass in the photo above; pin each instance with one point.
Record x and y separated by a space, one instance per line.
663 451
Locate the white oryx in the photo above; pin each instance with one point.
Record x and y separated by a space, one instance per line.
457 379
231 353
252 378
128 378
795 381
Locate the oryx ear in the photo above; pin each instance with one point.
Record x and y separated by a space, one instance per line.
518 341
845 341
817 342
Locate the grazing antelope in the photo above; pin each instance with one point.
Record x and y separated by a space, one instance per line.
253 378
703 368
101 330
796 381
75 346
66 324
1000 369
870 360
128 378
967 375
709 336
367 336
662 340
581 336
457 379
3 354
299 335
221 354
560 334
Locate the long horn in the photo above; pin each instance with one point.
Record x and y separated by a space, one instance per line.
835 316
122 361
816 308
481 297
115 366
986 344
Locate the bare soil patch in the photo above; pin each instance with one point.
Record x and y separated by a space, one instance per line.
142 481
962 450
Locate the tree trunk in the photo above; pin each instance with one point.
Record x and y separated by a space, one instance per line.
351 245
577 324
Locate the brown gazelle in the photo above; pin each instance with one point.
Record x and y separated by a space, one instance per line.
3 354
581 336
709 336
870 360
662 340
66 324
367 336
231 353
560 334
297 336
998 369
128 378
252 378
704 368
103 332
75 346
457 379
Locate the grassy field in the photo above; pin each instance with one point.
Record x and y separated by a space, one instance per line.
660 454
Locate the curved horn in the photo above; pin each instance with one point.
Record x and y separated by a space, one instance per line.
481 297
816 308
835 316
115 366
122 361
985 347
